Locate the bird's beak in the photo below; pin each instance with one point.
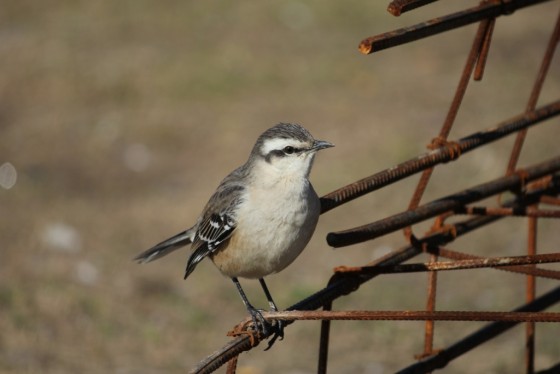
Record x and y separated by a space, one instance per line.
320 144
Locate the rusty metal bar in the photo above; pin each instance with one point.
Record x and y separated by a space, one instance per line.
490 9
530 296
484 51
475 263
397 7
535 93
445 356
448 203
429 327
519 212
232 365
549 200
413 315
324 341
436 156
542 273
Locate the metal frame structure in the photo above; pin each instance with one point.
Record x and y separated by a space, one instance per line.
535 189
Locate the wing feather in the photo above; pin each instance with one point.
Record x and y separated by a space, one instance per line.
217 223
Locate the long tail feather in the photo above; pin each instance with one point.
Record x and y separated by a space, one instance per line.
165 247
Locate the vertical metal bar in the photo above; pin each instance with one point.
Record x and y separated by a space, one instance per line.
531 291
324 342
431 306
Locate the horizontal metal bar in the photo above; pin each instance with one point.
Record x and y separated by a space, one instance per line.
437 156
521 212
489 9
474 263
445 204
528 270
421 315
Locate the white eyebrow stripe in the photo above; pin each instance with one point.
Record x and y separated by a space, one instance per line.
280 143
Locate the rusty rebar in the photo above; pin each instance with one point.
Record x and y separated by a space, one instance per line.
535 93
445 356
519 212
397 7
448 203
491 9
413 315
429 327
324 341
484 51
549 200
538 272
232 365
436 156
473 263
531 292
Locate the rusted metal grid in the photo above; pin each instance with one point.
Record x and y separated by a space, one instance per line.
532 187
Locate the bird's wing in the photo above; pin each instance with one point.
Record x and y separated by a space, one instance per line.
216 224
167 246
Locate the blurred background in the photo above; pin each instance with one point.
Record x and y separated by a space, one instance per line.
119 118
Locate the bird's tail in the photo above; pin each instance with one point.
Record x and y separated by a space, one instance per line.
165 247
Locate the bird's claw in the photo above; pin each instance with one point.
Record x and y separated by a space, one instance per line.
278 333
265 328
261 325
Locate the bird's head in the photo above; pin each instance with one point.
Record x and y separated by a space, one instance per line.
287 149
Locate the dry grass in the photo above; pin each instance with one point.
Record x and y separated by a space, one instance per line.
121 117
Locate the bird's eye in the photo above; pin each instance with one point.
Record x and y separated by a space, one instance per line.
289 150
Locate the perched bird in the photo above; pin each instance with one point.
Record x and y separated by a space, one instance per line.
260 218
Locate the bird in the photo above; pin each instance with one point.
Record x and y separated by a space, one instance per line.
259 219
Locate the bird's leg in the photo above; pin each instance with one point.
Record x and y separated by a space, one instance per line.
260 323
279 333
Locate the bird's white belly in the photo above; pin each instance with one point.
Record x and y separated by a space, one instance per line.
269 234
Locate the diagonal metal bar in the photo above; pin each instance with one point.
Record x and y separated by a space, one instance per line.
490 9
448 203
437 156
481 336
535 93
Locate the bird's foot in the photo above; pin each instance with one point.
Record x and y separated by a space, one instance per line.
260 324
266 328
258 328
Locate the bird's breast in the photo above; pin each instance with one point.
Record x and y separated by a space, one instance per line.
273 226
